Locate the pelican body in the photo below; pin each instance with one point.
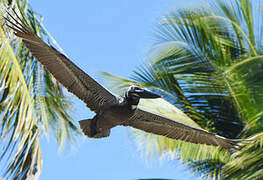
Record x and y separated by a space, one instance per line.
115 113
110 110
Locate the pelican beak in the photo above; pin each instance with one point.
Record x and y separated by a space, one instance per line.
142 93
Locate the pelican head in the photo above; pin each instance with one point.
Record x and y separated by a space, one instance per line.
137 92
134 93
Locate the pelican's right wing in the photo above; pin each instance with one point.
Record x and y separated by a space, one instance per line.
64 70
160 125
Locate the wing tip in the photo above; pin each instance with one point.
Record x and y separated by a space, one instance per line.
16 23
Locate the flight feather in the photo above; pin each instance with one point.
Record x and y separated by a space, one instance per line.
160 125
63 69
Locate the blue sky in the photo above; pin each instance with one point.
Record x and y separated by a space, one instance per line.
111 36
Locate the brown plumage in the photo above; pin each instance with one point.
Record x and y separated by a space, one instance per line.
110 110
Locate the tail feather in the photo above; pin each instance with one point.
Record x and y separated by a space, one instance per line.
89 129
85 125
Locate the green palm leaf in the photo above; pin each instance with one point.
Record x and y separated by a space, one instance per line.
208 63
17 118
32 102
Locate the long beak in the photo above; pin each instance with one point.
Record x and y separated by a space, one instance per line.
146 94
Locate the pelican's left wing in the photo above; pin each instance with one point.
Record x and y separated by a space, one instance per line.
64 70
156 124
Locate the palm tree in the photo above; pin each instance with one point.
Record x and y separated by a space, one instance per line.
32 102
208 63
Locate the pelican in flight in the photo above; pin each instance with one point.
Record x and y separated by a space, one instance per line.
110 110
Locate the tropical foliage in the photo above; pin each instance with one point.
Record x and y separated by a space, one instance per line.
208 62
32 102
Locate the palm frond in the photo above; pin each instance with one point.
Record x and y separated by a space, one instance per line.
208 62
209 169
32 102
17 115
246 163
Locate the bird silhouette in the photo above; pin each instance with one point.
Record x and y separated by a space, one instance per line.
110 110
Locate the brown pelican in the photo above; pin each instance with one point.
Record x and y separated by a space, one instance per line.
110 110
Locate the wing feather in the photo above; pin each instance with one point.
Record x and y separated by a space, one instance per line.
64 70
160 125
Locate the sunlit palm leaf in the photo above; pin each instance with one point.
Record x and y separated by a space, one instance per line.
199 69
209 64
246 163
17 115
209 169
32 102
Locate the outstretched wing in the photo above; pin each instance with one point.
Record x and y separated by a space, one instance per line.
159 125
64 70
